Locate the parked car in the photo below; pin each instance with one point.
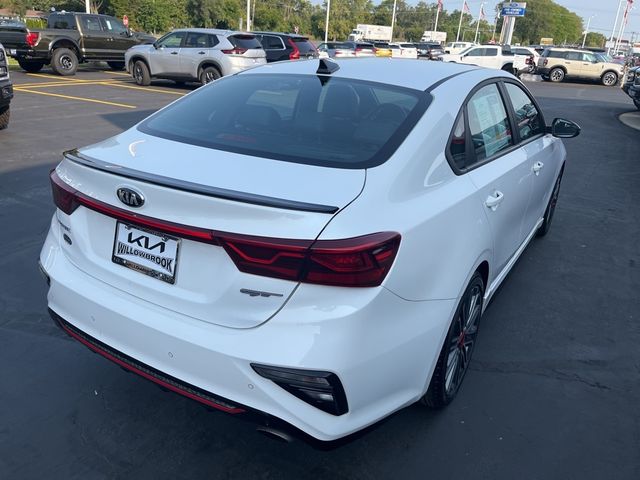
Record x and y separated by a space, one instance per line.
403 50
362 49
454 48
210 249
13 35
382 49
335 50
6 90
501 57
631 85
556 64
73 38
528 52
430 51
194 54
286 46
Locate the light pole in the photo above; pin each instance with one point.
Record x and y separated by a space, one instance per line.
326 23
393 18
464 6
87 5
586 32
248 15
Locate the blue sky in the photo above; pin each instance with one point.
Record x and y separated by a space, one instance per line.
604 11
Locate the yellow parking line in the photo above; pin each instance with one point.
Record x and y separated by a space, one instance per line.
103 102
117 73
57 77
144 89
59 84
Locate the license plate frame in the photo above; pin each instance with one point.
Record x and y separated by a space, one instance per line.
136 254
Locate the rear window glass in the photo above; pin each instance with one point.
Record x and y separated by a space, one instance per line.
331 122
244 41
304 45
62 22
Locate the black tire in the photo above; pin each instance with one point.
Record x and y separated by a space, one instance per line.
4 117
458 347
609 79
116 65
636 103
64 61
557 75
140 73
31 67
209 74
551 208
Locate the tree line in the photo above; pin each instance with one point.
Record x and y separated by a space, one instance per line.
544 18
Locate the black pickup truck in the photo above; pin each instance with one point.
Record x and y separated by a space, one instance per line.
6 90
72 38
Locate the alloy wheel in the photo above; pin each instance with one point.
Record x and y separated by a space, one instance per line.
557 75
463 339
66 62
609 79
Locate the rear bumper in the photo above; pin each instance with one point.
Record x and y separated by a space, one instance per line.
397 345
30 54
542 70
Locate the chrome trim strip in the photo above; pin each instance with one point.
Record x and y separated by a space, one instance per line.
77 157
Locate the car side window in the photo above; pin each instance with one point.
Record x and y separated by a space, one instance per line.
458 145
573 56
528 119
197 40
64 21
213 40
488 123
173 40
90 23
476 52
269 42
490 52
111 25
589 57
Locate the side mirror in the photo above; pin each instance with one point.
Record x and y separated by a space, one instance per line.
562 128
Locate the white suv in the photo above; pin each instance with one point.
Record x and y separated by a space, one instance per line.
196 54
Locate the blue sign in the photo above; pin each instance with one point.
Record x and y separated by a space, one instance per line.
513 12
514 9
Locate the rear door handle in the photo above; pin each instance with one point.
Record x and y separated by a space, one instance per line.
201 53
537 167
494 200
174 53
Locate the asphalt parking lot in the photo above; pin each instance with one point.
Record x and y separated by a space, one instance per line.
554 387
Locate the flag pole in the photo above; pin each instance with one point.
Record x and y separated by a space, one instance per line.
475 40
326 23
464 4
435 27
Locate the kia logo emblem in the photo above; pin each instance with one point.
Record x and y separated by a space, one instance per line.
130 197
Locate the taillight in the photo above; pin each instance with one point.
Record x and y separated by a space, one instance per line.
295 55
546 61
353 262
235 51
529 60
32 38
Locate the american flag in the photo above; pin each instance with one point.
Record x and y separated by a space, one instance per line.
627 10
482 15
465 7
440 6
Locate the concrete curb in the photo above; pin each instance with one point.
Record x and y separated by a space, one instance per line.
631 119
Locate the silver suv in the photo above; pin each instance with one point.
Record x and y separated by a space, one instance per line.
194 54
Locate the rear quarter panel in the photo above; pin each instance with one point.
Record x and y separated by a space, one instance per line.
444 229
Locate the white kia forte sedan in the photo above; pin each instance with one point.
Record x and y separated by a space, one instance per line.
311 244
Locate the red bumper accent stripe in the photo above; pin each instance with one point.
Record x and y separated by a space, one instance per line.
146 375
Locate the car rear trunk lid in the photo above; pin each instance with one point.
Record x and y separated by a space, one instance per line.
205 189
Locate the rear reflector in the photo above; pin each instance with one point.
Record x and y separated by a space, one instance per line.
353 262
